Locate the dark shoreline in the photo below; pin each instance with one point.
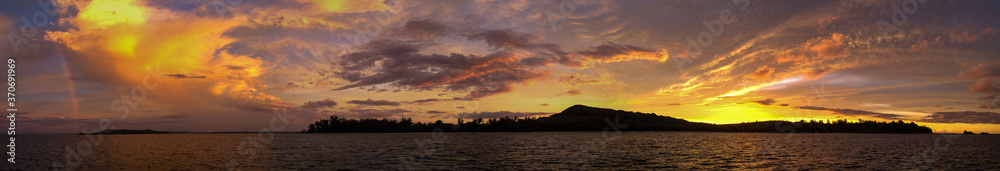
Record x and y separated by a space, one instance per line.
586 118
454 132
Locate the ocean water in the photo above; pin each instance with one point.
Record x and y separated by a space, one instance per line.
508 151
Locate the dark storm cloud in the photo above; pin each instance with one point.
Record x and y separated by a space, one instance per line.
517 58
543 53
435 112
319 104
371 102
425 28
503 39
401 64
964 117
854 112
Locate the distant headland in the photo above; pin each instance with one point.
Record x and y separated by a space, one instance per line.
126 131
971 133
586 118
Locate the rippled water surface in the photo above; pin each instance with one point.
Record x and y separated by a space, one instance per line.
499 151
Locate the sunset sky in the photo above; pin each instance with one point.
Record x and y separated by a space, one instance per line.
199 65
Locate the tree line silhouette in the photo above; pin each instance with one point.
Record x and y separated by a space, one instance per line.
336 124
838 126
585 118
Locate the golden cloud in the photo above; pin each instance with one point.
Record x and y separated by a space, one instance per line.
118 41
347 6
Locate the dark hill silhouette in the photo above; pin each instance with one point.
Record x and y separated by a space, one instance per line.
586 118
581 111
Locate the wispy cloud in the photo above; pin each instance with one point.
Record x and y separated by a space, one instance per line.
371 102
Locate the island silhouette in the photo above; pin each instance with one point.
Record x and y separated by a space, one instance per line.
126 131
586 118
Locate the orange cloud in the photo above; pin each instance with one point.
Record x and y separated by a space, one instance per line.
966 37
819 49
829 48
576 79
817 57
684 89
572 92
924 44
763 73
612 52
988 75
